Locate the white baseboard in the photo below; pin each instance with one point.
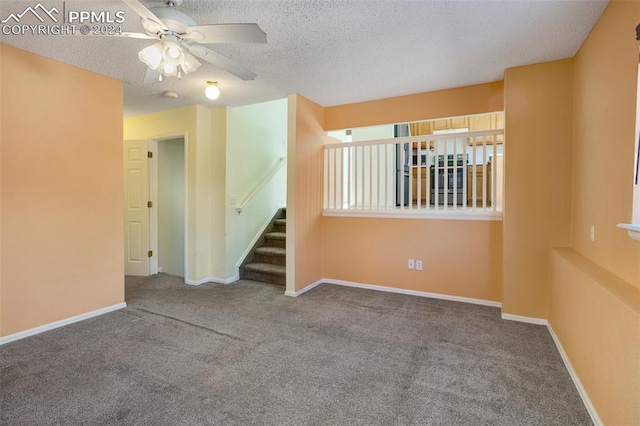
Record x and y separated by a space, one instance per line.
528 320
211 280
304 290
199 282
61 323
397 290
576 381
234 278
415 293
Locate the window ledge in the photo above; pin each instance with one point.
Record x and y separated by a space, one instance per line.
632 228
416 214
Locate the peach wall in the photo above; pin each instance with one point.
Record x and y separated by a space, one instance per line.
460 258
596 317
595 286
606 68
537 210
62 191
467 100
304 199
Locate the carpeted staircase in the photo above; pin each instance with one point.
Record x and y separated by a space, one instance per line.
267 260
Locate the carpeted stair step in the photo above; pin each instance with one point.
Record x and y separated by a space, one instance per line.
280 225
276 239
266 273
273 255
268 257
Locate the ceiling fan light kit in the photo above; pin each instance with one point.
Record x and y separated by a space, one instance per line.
176 51
168 58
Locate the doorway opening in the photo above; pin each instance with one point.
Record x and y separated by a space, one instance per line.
168 218
155 206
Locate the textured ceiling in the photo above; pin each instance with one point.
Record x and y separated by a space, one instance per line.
330 51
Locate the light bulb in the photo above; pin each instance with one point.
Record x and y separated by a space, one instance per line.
168 68
189 63
173 52
151 55
212 91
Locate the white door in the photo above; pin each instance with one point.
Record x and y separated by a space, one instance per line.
136 211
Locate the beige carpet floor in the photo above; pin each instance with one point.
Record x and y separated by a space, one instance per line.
245 354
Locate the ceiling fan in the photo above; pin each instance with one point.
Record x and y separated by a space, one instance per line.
179 39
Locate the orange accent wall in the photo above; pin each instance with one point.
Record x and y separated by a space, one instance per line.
606 72
596 317
304 199
61 188
595 285
460 258
459 101
537 210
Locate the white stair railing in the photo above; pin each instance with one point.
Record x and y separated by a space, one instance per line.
457 172
274 170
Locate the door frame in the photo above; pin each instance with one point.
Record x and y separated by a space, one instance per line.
153 195
144 217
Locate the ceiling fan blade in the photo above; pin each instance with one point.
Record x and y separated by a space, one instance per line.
222 62
152 76
226 33
145 13
136 35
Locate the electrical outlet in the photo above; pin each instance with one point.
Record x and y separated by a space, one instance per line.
592 233
419 265
411 264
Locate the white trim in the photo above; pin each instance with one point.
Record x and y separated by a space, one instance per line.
510 317
528 320
482 302
233 279
253 242
261 184
216 280
186 204
61 323
409 139
153 211
632 229
185 137
304 290
574 376
469 214
576 380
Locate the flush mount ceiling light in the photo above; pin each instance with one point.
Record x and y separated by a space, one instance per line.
168 58
212 91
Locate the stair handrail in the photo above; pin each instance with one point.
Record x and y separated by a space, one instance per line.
261 185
